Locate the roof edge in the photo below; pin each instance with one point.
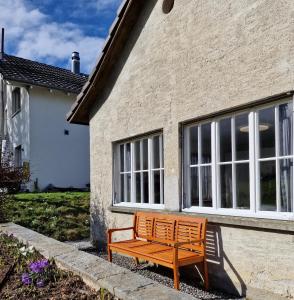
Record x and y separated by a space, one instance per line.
42 85
115 28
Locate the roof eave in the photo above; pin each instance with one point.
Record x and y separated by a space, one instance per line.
122 24
41 85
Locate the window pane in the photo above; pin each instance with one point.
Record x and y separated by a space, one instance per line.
137 156
226 186
122 158
286 183
194 187
285 128
266 128
268 185
206 186
156 182
194 145
242 137
156 156
128 157
122 195
145 187
225 140
206 143
145 154
138 187
128 183
242 186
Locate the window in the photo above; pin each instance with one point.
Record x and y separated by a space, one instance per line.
16 104
167 6
139 172
241 164
18 157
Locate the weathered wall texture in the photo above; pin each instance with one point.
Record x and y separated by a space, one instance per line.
203 57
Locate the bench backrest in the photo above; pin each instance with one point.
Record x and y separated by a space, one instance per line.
169 227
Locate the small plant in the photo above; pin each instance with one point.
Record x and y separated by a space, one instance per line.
11 178
39 273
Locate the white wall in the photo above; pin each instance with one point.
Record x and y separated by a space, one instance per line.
18 124
56 158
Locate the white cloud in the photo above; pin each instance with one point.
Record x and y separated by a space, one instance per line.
99 5
32 35
107 4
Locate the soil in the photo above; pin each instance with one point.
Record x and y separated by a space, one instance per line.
64 286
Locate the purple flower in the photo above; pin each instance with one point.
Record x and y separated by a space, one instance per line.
35 267
38 266
44 263
40 283
26 279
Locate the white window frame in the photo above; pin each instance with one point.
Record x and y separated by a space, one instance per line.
254 182
18 156
133 172
16 103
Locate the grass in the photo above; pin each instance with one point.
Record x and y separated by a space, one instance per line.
63 216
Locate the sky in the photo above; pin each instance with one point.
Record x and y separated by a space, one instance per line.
48 31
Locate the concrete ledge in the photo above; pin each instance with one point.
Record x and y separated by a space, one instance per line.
95 271
233 221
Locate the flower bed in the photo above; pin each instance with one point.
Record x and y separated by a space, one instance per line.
25 274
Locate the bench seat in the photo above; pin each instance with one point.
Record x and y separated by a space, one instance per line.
155 252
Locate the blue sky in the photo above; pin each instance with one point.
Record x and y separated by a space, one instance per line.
49 30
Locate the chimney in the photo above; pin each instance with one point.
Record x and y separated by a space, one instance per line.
75 62
2 44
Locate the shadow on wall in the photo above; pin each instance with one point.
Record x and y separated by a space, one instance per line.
217 258
99 225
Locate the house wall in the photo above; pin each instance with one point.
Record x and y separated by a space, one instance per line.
203 57
56 158
18 125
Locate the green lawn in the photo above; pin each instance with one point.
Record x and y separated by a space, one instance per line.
63 216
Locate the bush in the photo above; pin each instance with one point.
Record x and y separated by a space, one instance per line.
11 178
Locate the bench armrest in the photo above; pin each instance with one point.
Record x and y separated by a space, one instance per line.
120 229
110 231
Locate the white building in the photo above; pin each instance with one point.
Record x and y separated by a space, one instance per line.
34 100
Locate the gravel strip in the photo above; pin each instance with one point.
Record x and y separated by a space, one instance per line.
188 283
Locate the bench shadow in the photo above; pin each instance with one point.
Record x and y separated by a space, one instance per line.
217 259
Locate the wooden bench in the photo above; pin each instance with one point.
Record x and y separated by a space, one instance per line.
172 241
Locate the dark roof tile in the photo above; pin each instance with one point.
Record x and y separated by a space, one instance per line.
35 73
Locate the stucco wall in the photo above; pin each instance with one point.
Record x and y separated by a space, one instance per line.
56 158
18 125
203 57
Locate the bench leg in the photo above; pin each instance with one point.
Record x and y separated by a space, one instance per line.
176 278
136 260
206 283
109 254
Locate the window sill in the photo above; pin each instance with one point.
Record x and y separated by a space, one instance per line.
138 206
232 221
16 113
